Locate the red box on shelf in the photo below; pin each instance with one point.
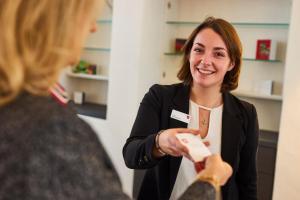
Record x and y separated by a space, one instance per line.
266 49
179 43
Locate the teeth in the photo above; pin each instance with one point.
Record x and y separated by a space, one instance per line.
203 71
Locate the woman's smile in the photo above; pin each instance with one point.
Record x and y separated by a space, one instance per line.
204 71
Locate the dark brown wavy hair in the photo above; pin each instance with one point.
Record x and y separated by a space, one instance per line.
233 44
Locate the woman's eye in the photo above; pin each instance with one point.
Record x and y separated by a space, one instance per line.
220 54
198 50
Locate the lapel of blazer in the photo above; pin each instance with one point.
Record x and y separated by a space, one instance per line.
232 128
180 103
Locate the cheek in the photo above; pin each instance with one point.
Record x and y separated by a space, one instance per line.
193 57
224 65
192 66
193 60
225 70
192 70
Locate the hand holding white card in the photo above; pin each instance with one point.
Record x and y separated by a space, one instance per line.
197 149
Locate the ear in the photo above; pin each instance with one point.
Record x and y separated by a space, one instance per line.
230 67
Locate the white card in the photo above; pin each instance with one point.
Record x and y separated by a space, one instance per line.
197 149
180 116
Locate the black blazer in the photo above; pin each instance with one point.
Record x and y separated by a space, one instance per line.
238 144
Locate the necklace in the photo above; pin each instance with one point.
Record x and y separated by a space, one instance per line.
204 115
203 118
203 122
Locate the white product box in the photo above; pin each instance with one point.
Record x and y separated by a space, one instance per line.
78 97
264 87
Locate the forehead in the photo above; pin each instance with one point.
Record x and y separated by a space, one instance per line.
209 38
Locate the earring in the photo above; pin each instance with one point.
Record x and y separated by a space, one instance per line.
202 62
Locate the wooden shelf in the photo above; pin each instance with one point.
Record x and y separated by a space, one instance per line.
258 96
88 76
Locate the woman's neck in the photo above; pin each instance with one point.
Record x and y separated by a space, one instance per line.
208 97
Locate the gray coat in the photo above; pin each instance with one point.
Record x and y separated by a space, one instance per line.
47 152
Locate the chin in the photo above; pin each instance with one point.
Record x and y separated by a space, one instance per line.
203 83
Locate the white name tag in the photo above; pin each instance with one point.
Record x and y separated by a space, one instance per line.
181 116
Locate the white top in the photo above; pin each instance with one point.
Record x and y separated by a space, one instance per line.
187 173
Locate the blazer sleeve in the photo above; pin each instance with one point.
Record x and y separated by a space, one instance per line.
247 173
137 151
199 190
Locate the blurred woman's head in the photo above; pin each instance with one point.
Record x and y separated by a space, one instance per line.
212 44
40 38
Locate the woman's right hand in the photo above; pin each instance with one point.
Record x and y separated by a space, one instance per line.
169 143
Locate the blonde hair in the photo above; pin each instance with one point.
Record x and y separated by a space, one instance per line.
36 41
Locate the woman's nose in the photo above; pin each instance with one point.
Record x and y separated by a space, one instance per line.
206 60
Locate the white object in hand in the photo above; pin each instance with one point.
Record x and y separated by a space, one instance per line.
197 149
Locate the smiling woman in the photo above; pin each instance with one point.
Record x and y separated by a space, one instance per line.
230 49
227 125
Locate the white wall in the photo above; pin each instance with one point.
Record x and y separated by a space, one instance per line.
134 67
287 174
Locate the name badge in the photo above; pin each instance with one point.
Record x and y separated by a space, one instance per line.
181 116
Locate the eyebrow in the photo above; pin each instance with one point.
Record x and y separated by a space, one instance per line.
215 48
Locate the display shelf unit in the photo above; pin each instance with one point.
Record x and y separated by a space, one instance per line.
95 87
